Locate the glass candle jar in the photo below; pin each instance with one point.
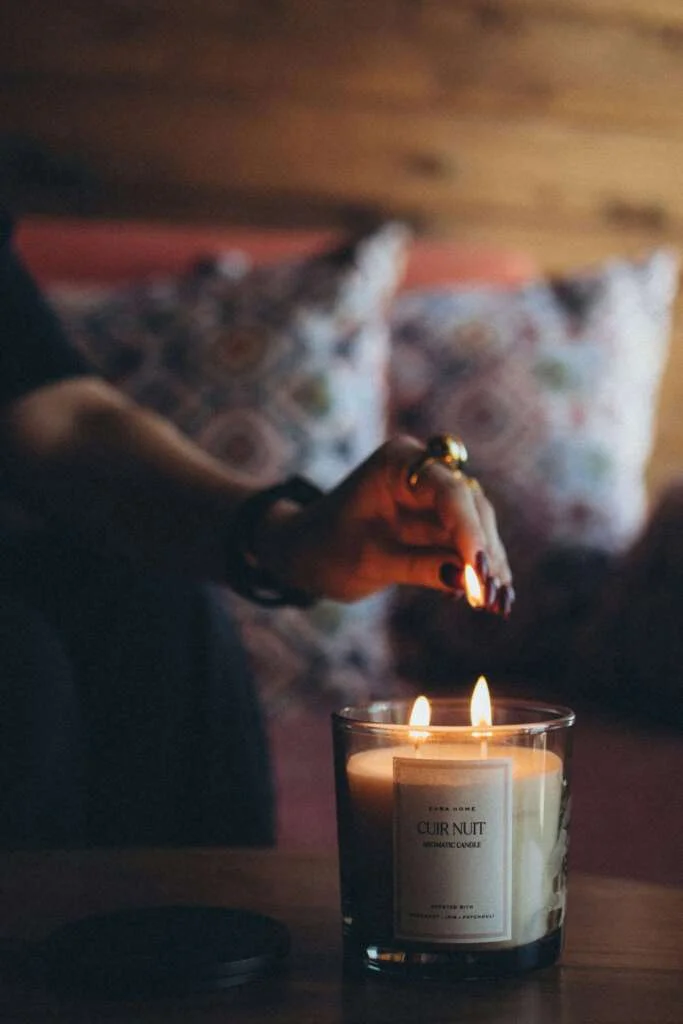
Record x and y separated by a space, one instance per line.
452 838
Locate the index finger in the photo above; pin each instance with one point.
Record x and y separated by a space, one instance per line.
450 494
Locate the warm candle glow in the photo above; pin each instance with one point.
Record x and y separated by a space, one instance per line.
473 588
480 705
420 715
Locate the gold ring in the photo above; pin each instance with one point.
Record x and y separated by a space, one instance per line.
444 448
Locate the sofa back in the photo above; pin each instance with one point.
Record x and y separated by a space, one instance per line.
113 251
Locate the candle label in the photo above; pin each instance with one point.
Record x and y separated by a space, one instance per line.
452 850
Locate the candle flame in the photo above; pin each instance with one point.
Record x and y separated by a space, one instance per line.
473 588
480 705
421 714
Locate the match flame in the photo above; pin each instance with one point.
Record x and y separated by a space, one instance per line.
480 705
420 715
473 588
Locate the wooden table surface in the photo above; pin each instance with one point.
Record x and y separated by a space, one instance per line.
623 960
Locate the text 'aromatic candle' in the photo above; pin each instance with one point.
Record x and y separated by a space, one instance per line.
452 830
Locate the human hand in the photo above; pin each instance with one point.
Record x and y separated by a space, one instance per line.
375 529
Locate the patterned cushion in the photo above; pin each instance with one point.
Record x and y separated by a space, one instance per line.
276 370
553 386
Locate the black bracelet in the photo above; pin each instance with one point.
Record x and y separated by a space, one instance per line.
242 569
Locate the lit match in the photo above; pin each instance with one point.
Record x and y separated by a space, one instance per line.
473 588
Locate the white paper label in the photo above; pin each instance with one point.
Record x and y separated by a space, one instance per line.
452 850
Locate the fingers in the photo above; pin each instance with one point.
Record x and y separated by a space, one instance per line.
499 594
440 569
453 501
499 567
446 509
424 567
422 530
490 560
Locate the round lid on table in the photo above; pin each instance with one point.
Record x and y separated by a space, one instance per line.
160 950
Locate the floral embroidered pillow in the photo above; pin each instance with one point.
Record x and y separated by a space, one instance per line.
275 370
554 388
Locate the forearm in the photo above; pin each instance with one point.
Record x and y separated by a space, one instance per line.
85 455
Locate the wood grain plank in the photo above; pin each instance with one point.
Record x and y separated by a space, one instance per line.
532 62
430 166
462 58
640 12
227 48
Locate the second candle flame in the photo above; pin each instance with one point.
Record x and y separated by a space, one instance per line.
480 705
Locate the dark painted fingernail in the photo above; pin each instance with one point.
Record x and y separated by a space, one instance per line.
449 574
506 597
481 564
490 592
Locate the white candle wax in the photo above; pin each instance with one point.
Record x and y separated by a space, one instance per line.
536 791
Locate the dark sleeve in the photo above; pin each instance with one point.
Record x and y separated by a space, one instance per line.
34 349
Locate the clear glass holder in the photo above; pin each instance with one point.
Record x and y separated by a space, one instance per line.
452 840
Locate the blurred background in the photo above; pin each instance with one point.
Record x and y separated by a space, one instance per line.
549 126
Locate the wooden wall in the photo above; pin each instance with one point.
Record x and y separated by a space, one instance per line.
550 125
